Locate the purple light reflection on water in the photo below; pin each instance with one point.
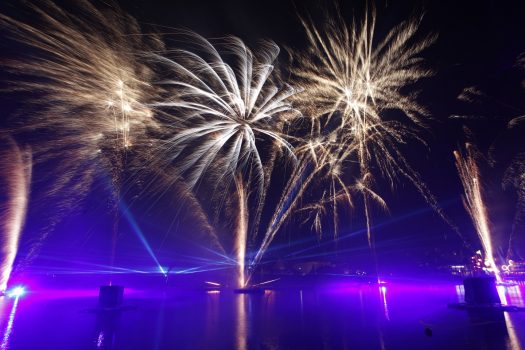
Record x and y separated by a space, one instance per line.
385 304
510 295
330 315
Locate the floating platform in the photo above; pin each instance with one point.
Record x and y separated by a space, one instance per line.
481 294
110 299
481 290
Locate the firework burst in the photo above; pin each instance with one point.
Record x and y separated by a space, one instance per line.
86 90
223 108
219 110
345 71
349 81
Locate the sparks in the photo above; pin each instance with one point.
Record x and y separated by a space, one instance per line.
474 203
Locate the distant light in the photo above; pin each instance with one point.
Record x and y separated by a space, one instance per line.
383 289
213 283
16 292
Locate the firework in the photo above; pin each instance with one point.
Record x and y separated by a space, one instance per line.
223 106
220 109
349 81
474 203
86 74
87 91
15 171
361 80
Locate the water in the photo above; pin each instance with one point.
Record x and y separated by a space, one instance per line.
334 315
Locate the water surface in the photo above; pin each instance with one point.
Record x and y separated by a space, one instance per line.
334 315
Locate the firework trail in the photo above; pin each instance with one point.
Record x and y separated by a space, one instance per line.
88 91
222 106
241 231
15 172
474 203
514 175
349 79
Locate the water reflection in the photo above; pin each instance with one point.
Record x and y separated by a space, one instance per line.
460 293
106 329
515 297
488 327
514 342
241 333
340 316
382 291
496 328
9 327
511 295
212 312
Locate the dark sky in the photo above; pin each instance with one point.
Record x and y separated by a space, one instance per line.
478 44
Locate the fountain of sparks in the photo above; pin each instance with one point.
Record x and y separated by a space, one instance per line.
15 171
475 205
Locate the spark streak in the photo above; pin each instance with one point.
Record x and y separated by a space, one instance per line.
241 231
15 168
474 203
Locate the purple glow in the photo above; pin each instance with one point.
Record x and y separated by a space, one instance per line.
16 292
382 290
100 340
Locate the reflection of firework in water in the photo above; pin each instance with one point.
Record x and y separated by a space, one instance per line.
15 172
89 89
474 203
349 81
223 104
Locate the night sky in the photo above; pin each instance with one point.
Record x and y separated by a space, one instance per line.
478 44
